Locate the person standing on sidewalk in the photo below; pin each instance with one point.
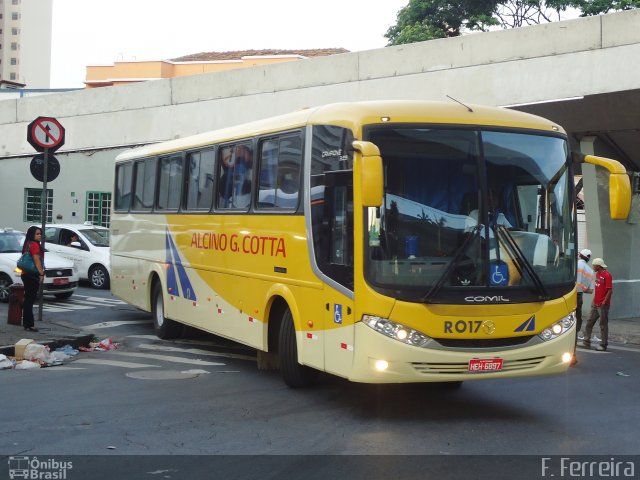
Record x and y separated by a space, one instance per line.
600 305
32 281
584 284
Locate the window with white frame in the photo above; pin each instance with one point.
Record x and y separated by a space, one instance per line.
99 208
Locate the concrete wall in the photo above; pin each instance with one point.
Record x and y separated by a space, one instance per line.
533 64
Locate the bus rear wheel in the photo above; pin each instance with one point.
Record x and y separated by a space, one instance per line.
293 374
163 327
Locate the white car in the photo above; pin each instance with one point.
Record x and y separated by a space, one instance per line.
61 277
86 245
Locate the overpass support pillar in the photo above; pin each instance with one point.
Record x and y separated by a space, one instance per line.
616 241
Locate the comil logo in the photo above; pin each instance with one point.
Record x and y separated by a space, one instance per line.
38 469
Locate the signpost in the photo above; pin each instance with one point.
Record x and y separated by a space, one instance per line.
46 135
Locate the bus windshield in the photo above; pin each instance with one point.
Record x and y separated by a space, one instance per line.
471 210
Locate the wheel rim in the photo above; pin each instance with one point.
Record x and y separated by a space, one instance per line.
159 311
4 289
97 277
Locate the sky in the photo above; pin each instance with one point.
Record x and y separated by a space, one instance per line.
98 32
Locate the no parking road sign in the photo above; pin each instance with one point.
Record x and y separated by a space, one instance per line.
45 133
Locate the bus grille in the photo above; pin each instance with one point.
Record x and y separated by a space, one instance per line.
463 367
483 343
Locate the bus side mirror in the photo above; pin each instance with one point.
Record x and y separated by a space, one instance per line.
619 184
371 174
619 196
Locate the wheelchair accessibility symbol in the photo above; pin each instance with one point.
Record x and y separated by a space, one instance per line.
499 274
337 313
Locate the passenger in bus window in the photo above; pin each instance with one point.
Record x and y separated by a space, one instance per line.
243 165
236 163
225 186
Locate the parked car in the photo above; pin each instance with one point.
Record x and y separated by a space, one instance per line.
60 279
87 246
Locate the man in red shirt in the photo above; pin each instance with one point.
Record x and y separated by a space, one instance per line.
600 306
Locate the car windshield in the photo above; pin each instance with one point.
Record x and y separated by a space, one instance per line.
471 210
99 237
11 242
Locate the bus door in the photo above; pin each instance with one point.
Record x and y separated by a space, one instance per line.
338 266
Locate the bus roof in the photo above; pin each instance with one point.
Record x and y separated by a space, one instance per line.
354 115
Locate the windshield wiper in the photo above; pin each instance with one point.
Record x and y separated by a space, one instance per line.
457 256
503 233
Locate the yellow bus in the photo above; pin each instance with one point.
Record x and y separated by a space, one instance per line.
382 242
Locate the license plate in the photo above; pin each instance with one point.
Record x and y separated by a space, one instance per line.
60 281
485 365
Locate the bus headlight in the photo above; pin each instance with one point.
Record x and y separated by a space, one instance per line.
559 328
396 331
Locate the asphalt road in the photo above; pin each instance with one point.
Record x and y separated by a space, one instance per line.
202 395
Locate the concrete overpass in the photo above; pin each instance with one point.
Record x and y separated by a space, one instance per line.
583 74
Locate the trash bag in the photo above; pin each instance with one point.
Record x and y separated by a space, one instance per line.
105 344
35 351
68 350
58 356
27 365
6 362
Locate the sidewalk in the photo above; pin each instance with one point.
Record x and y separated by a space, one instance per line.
621 331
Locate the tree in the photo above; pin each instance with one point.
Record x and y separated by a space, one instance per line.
428 19
597 7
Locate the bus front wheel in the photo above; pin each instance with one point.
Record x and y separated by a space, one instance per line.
293 374
163 327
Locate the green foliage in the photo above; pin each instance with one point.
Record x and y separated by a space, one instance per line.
429 19
597 7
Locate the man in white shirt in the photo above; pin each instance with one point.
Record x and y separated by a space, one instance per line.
584 284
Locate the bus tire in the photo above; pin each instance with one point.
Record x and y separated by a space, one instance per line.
293 374
163 327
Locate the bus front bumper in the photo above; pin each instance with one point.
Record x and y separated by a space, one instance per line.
409 364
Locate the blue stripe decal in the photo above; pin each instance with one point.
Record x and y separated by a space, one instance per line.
172 282
529 325
187 289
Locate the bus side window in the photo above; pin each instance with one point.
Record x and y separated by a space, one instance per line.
289 166
200 180
145 184
170 184
280 166
234 176
124 173
268 173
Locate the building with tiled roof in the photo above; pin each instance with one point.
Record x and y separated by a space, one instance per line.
124 72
